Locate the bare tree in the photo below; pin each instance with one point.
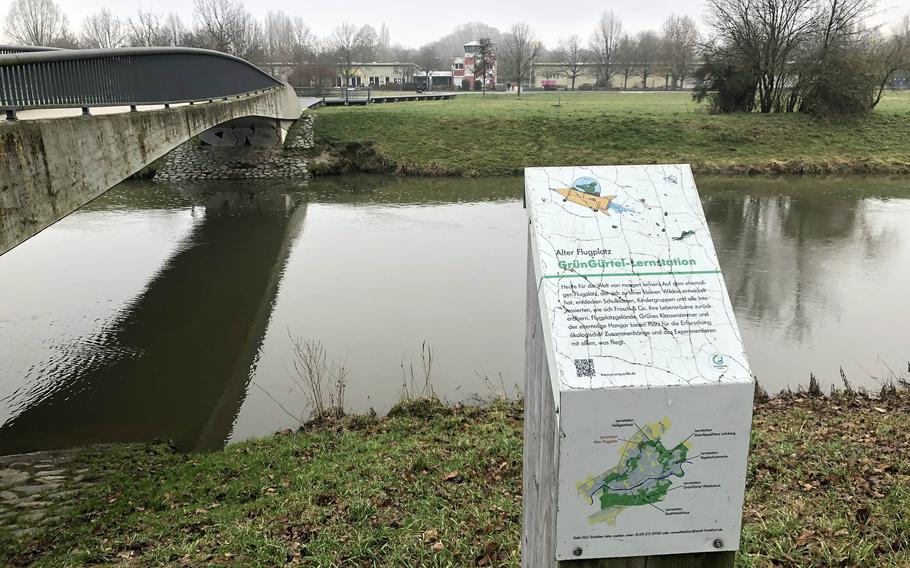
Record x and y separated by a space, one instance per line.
404 71
890 56
679 40
313 65
648 53
66 40
304 40
404 66
572 57
286 38
351 47
103 30
605 46
838 34
766 33
427 60
146 30
173 32
627 58
840 22
520 48
36 22
225 25
383 42
278 36
400 53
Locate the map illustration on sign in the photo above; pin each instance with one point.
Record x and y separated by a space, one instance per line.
643 476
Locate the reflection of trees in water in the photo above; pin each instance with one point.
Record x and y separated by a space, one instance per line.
776 250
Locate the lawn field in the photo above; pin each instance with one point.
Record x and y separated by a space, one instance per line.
500 134
828 485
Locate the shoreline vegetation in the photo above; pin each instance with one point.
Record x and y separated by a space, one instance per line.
436 485
497 135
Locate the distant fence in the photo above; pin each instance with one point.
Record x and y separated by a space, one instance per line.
350 93
126 76
367 95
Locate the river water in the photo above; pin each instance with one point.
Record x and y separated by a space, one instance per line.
171 312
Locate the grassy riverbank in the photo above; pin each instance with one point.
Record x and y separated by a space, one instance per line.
500 135
829 485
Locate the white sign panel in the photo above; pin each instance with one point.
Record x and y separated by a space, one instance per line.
650 376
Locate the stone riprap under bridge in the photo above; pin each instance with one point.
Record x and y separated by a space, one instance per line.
37 488
245 156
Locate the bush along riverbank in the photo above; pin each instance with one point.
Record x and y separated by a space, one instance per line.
493 135
432 485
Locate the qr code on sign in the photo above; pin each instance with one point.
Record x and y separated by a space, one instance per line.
584 367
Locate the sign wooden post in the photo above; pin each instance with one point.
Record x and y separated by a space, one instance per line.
637 388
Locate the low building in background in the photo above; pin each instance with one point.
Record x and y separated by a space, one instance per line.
391 75
553 76
438 80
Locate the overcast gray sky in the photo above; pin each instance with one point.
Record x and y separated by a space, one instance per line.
415 23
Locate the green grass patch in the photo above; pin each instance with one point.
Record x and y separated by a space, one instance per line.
501 135
429 485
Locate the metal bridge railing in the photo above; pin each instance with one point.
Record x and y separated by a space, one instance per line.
123 77
7 49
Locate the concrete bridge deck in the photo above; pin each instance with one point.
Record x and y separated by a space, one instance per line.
50 113
80 121
52 161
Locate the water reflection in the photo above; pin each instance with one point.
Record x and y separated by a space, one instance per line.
816 270
175 362
166 312
385 265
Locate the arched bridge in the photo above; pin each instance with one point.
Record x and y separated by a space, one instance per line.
136 105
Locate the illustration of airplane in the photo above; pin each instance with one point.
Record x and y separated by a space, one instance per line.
589 200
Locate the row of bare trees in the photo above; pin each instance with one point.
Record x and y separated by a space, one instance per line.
226 25
223 25
773 55
612 52
818 56
609 52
